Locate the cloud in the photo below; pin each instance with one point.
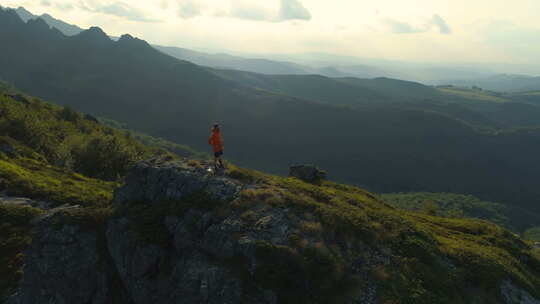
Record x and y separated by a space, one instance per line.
189 9
57 4
119 9
247 10
293 10
399 27
289 10
440 23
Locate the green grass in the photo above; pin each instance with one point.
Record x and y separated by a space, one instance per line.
460 205
39 180
532 93
431 259
68 139
425 258
15 237
473 94
532 234
152 141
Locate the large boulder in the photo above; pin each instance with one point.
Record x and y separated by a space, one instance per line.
307 173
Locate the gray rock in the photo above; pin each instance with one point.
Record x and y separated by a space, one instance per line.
66 264
19 98
23 201
307 173
185 273
191 269
515 295
8 149
154 181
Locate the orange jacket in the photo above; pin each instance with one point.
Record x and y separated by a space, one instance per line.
216 141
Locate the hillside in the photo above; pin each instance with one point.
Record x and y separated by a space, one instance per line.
254 238
391 147
52 156
460 206
245 237
225 61
503 83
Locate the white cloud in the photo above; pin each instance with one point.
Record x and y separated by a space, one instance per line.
440 23
251 10
400 27
348 27
119 9
293 10
189 9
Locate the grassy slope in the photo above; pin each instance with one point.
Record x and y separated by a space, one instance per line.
178 149
14 239
472 95
45 152
459 205
431 258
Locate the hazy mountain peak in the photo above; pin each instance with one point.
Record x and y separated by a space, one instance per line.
126 36
10 17
38 24
132 41
24 14
65 28
94 33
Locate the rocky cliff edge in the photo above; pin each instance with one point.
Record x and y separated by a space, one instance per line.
177 233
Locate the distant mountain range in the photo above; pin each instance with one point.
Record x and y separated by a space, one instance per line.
385 134
66 28
504 83
335 66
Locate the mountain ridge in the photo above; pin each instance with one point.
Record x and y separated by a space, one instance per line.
178 100
66 28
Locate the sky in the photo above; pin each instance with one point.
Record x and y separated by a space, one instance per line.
443 31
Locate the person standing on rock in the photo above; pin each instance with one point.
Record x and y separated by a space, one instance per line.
216 141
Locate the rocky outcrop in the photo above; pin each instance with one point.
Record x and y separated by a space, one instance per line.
67 264
515 295
163 246
156 180
191 268
71 263
307 173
